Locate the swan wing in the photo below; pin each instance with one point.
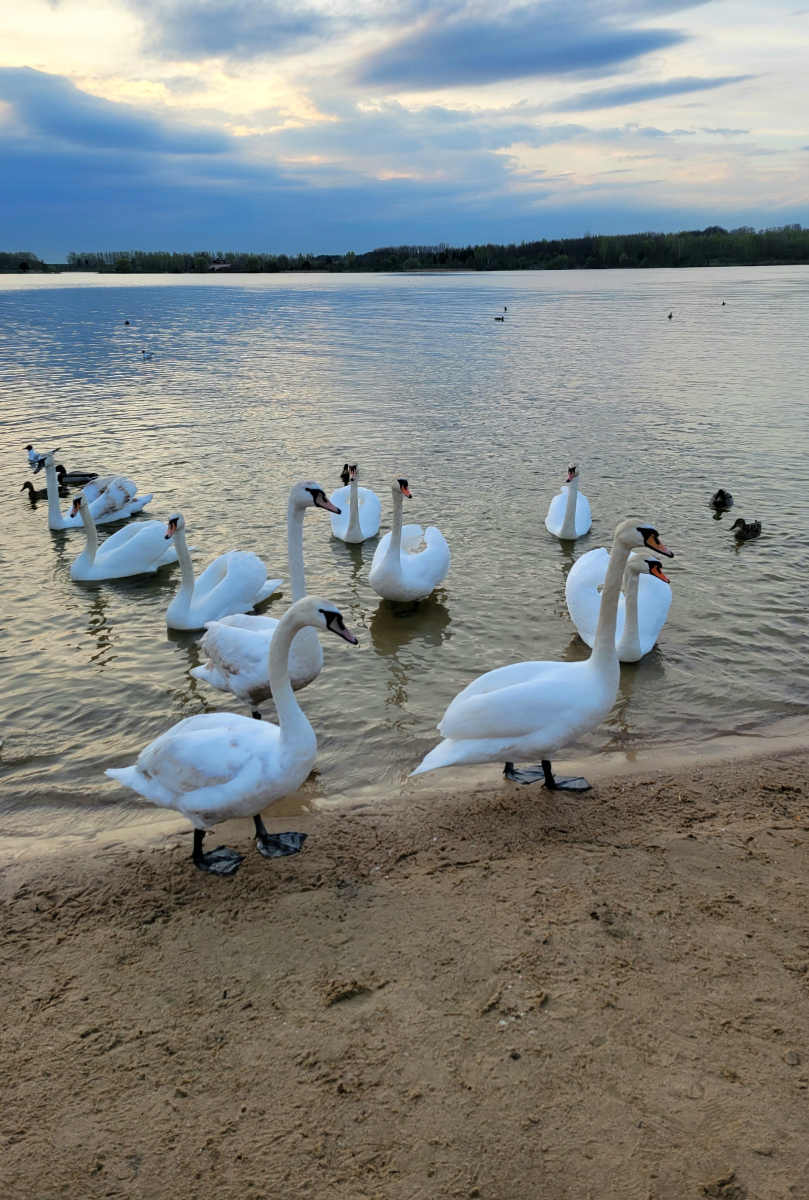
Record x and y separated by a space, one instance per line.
231 581
427 566
140 552
583 518
370 511
654 602
501 677
267 589
553 705
241 655
583 598
381 550
119 494
556 512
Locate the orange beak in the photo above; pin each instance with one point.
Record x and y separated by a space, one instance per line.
406 492
654 543
658 571
171 529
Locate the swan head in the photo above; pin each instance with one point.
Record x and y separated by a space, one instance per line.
399 484
635 534
309 494
572 473
323 615
79 502
349 473
176 521
639 564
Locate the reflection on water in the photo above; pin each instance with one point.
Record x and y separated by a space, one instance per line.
258 382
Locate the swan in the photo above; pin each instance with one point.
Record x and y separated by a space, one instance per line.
137 549
71 478
409 562
115 503
233 583
530 709
216 766
364 509
237 646
641 615
569 513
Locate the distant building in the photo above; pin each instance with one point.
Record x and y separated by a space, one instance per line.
218 264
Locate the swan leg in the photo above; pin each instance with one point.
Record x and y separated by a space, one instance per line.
255 713
277 845
221 861
555 783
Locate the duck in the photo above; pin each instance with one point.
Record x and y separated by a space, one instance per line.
534 709
137 549
500 318
569 513
237 646
35 494
116 502
74 478
234 582
409 562
360 509
746 530
721 499
642 612
671 315
216 766
147 355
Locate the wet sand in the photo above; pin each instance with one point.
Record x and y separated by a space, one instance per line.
497 992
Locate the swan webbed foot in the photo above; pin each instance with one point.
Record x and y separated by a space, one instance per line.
277 845
255 713
221 861
554 783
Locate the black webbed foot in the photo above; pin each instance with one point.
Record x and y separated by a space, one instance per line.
277 845
221 861
256 714
554 783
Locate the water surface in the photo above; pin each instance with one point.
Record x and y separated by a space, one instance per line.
257 382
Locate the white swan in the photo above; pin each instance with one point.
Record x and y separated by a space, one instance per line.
360 508
533 709
217 766
115 503
641 615
569 513
233 583
237 646
409 562
137 549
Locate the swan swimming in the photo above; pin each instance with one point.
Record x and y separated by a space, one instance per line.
137 549
233 583
116 502
360 508
409 562
569 513
533 709
216 766
237 646
641 615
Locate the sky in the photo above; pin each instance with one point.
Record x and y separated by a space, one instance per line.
329 125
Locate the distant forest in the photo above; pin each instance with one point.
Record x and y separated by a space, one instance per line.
711 247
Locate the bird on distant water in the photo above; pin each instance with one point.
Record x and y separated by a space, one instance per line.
499 318
505 308
721 499
723 303
146 356
671 314
746 530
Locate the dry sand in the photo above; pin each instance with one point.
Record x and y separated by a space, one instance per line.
510 996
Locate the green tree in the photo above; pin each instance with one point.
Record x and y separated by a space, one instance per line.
200 263
123 266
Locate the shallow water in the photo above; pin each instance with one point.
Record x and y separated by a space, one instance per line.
257 382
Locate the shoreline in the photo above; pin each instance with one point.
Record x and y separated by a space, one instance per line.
472 994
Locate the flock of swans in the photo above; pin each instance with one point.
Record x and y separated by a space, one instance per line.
220 765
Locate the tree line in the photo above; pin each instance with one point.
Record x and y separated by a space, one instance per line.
711 247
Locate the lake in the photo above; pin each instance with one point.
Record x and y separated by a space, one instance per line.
258 381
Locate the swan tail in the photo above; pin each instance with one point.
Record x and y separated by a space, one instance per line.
209 674
139 504
272 585
445 754
150 789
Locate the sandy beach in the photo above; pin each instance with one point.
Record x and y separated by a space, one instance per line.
502 994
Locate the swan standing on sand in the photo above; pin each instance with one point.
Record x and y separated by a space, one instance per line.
409 562
360 508
641 615
138 549
533 709
115 503
217 766
233 583
569 513
237 646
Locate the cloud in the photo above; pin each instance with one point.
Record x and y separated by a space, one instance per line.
244 29
724 132
635 93
462 44
51 106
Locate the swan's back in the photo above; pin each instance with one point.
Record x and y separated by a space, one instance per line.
583 598
556 513
370 511
654 602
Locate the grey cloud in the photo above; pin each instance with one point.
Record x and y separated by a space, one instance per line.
245 29
724 132
635 93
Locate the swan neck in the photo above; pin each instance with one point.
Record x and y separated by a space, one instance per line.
297 578
290 717
354 531
91 549
604 652
55 517
569 523
187 579
396 527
